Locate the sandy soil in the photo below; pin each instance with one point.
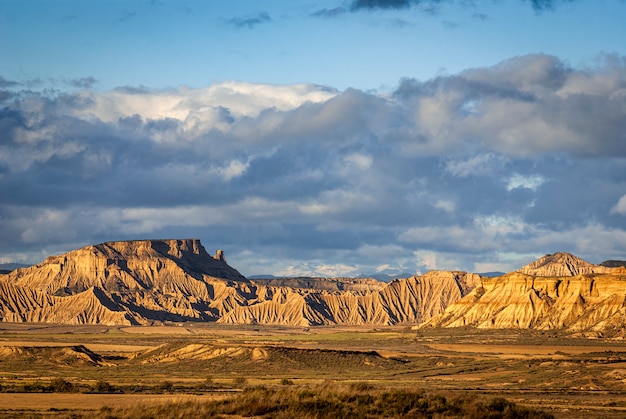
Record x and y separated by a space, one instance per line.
96 347
524 351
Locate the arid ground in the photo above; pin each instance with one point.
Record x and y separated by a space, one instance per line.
48 370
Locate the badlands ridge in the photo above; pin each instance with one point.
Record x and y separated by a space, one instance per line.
152 281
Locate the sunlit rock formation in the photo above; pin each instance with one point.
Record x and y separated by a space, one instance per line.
562 264
557 291
147 281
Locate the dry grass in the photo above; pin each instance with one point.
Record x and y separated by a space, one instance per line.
330 401
574 377
89 402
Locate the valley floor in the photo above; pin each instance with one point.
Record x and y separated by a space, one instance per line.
54 370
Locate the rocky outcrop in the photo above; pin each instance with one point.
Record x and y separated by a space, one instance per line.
562 264
580 298
129 282
404 301
146 281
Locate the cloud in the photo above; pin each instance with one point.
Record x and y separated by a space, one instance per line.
529 182
480 16
525 105
83 82
542 5
620 206
483 164
126 15
382 4
4 83
486 167
329 13
431 6
249 21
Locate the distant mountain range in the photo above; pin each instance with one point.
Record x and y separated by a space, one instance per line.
8 267
377 276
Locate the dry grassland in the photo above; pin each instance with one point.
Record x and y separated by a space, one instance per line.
567 376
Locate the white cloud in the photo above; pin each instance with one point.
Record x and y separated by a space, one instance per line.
235 168
241 99
445 205
620 206
359 161
480 165
313 269
529 182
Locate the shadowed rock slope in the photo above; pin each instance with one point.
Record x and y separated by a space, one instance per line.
147 281
558 291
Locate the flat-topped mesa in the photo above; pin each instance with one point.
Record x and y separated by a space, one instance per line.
133 264
176 248
187 253
562 264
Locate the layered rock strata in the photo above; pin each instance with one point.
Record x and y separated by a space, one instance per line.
147 281
576 296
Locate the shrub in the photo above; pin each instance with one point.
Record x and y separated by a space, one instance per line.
334 402
240 381
361 386
59 385
166 386
104 387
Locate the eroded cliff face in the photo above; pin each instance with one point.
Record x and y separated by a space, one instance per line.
562 264
146 281
130 282
404 301
579 298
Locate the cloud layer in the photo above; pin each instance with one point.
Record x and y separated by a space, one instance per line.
481 170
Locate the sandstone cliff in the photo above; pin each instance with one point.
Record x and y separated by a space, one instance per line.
409 301
580 297
562 264
146 281
129 282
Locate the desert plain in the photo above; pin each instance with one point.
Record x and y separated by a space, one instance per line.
49 370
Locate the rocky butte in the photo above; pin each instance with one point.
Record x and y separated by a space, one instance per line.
151 281
558 291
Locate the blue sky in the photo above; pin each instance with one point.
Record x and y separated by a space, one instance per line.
319 137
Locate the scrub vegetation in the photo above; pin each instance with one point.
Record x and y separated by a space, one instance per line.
278 371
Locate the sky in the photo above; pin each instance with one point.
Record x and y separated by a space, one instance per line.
316 137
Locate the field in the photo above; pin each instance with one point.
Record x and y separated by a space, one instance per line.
69 371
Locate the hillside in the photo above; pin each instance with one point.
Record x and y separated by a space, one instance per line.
562 264
148 281
557 291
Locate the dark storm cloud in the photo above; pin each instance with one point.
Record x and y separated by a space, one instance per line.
249 21
526 156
